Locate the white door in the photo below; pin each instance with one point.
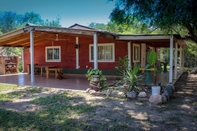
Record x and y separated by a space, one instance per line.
143 55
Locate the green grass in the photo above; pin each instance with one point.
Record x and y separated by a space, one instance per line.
15 94
5 87
58 114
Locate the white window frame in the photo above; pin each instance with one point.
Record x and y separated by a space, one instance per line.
49 47
105 44
138 46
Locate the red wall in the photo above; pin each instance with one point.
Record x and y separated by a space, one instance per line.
68 53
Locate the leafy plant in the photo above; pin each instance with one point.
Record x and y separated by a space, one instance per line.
131 78
92 72
152 59
122 65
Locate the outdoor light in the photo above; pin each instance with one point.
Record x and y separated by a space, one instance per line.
76 46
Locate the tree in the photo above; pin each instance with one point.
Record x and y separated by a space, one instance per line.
121 28
98 25
53 23
11 20
8 21
171 16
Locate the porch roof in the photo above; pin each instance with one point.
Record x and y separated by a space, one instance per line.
156 40
21 37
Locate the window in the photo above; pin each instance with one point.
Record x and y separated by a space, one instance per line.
53 54
136 53
105 52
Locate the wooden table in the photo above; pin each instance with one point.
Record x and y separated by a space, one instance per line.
41 69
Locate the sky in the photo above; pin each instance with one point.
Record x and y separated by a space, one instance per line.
70 11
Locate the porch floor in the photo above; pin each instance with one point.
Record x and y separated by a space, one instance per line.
71 81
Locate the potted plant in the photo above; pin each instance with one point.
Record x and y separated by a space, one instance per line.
95 76
152 60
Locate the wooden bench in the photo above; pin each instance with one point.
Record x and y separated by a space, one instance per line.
56 69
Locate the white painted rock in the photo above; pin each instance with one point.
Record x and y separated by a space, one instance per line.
142 94
155 99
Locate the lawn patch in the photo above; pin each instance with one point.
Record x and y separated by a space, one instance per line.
5 87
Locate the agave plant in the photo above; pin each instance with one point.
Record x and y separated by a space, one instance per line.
131 78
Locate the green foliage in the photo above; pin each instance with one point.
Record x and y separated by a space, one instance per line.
131 77
92 72
10 51
167 15
11 21
122 65
98 25
152 58
122 28
190 54
6 87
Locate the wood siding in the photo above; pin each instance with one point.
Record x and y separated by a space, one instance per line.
68 53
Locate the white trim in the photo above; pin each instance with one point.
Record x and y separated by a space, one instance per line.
32 53
136 45
95 39
104 44
175 61
77 53
171 60
144 37
181 59
129 54
59 60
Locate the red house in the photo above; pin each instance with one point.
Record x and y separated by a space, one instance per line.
74 48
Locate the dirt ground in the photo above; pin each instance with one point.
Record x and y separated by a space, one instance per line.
179 113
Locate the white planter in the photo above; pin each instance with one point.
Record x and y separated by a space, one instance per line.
156 90
95 77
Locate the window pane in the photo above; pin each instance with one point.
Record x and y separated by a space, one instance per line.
108 52
49 54
99 52
105 52
56 53
136 53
